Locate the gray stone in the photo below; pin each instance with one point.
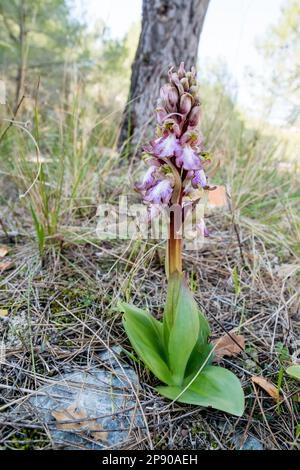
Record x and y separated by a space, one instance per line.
105 399
250 443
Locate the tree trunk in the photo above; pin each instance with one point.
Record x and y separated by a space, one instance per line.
170 34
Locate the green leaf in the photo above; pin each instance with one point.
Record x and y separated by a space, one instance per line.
40 231
202 347
174 287
215 386
146 336
183 333
279 382
294 371
201 350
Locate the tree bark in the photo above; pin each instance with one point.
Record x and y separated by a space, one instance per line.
170 34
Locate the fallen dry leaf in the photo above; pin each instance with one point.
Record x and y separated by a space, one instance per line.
225 346
5 266
266 386
73 412
3 251
217 197
3 312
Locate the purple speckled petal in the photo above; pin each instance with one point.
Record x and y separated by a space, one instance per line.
187 158
199 179
161 192
165 146
148 178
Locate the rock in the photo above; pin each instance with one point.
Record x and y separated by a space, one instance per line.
17 332
91 409
251 443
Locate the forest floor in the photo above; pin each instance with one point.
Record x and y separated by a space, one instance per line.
59 313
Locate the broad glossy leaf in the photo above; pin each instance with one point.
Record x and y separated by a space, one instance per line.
202 348
294 371
215 386
183 333
174 287
146 336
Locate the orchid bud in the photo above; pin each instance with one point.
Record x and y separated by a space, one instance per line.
185 83
186 102
169 95
174 79
161 114
173 97
164 92
194 116
194 91
180 88
181 71
191 76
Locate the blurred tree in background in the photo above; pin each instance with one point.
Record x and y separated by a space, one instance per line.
43 41
35 35
170 34
281 52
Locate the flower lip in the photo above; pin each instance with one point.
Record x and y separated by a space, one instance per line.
187 157
199 179
161 192
148 179
165 146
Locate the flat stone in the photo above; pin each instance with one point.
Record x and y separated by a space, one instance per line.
101 400
251 443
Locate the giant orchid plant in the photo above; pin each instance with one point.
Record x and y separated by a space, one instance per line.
178 350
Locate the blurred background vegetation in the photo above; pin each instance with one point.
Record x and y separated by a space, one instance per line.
66 87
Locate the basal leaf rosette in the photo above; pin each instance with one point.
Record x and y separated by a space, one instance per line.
178 352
